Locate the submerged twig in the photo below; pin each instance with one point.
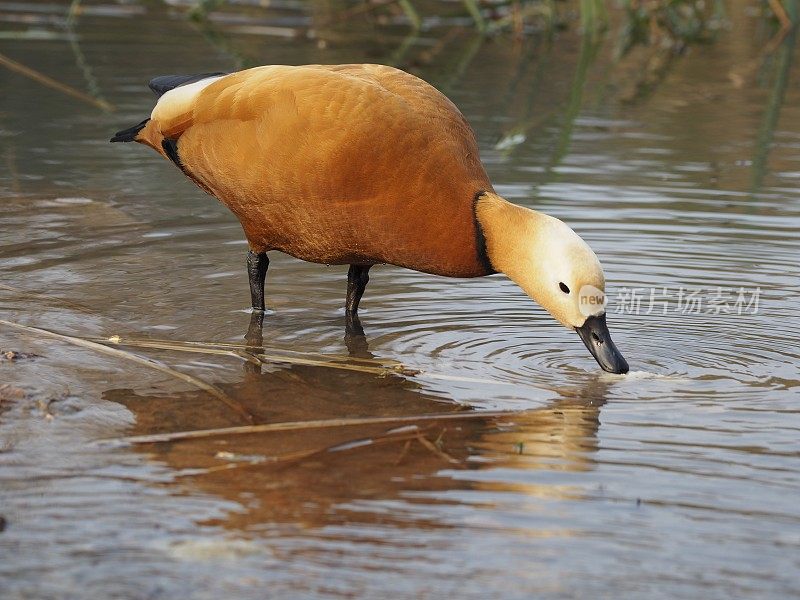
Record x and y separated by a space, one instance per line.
781 15
436 450
230 347
193 347
52 83
211 389
80 58
243 351
403 452
300 425
772 111
740 75
292 457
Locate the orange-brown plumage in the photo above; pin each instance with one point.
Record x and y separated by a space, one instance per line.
366 164
357 164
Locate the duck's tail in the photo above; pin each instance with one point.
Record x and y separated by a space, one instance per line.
160 86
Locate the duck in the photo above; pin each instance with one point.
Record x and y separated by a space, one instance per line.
364 164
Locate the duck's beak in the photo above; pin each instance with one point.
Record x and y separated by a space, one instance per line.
594 333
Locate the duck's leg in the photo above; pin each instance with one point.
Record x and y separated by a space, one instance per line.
357 279
257 265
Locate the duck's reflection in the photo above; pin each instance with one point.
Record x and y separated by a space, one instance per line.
355 339
314 477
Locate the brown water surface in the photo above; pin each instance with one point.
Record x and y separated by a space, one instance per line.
680 480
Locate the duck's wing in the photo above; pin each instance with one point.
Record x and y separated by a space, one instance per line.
165 83
329 99
160 86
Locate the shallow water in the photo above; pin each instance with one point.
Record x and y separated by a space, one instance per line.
679 480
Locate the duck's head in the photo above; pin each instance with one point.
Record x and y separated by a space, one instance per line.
555 267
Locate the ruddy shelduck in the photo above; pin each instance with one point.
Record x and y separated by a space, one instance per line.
362 165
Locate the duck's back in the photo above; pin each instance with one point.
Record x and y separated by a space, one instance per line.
335 164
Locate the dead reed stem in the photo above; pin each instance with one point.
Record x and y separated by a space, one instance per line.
207 387
52 83
245 352
301 425
293 457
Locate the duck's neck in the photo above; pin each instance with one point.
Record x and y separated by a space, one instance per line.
541 254
509 231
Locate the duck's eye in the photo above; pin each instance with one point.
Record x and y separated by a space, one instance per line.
563 287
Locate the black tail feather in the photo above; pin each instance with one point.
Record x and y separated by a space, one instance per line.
129 135
161 85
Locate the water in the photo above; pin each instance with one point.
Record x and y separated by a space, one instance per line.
679 480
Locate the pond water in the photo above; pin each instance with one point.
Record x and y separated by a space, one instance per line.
534 472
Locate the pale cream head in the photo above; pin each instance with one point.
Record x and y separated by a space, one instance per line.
545 257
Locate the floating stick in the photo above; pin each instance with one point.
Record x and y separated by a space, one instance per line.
300 425
211 389
52 83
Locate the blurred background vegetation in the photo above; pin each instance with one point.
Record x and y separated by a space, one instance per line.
649 33
605 49
666 27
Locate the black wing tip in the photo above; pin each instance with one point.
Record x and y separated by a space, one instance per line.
129 134
161 85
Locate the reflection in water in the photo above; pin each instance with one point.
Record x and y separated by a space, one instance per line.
313 478
785 55
589 48
355 339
